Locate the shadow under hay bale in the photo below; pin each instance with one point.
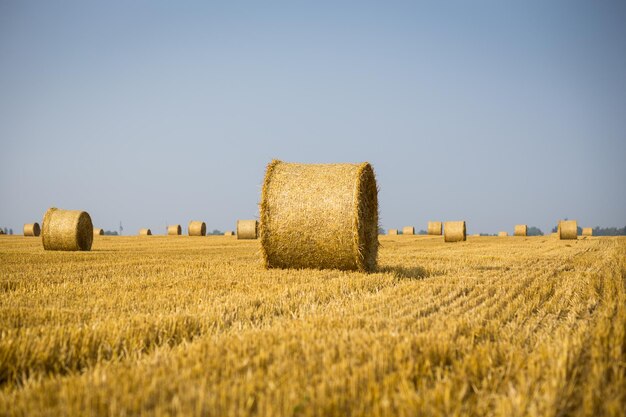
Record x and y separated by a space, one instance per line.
434 228
196 228
454 231
247 229
31 229
68 230
174 230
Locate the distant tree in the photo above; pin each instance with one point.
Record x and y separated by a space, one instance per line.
609 231
215 232
422 232
10 231
381 231
6 231
110 233
534 231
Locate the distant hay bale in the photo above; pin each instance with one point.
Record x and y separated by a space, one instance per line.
319 216
392 232
196 228
408 230
174 230
568 229
31 229
69 230
454 231
521 230
503 234
247 229
98 232
145 232
229 233
587 231
434 228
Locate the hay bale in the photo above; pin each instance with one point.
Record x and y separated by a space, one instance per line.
31 229
229 233
247 229
434 228
392 232
319 216
408 230
145 232
503 234
69 230
587 231
196 228
521 230
568 229
174 230
454 231
98 232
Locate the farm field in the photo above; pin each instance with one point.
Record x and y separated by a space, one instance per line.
184 325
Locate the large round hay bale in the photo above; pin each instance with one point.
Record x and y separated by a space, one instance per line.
503 234
454 231
521 230
587 231
69 230
174 230
392 232
145 232
98 232
247 229
434 228
408 230
196 228
319 216
568 229
229 233
31 229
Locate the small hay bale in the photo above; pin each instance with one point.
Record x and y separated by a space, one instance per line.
454 231
196 228
587 231
98 232
568 229
434 228
392 232
31 229
247 229
408 230
145 232
521 230
503 234
69 230
174 230
229 233
319 216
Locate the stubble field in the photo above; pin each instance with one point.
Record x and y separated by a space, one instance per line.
195 326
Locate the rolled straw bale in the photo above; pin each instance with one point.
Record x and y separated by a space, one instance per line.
568 229
174 230
32 229
392 232
521 230
98 232
247 229
454 231
196 228
587 231
434 228
503 234
69 230
408 230
319 216
229 233
145 232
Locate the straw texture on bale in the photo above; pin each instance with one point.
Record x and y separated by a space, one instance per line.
454 231
69 230
521 230
31 229
196 228
174 230
568 229
229 233
434 228
587 231
319 216
392 232
98 232
247 229
503 234
145 232
408 230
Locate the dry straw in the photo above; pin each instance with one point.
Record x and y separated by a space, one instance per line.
145 232
70 230
32 229
454 231
434 228
174 230
568 229
587 231
521 230
408 230
196 228
98 232
229 233
319 216
392 232
503 234
247 229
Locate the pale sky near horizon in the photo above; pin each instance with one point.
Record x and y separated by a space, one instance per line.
152 113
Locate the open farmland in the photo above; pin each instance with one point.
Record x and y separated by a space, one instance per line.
195 326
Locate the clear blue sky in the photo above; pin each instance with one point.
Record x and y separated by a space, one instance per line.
152 112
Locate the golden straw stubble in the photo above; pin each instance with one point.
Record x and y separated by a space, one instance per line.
434 228
454 231
174 230
67 230
32 229
521 230
247 229
322 216
196 228
568 229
